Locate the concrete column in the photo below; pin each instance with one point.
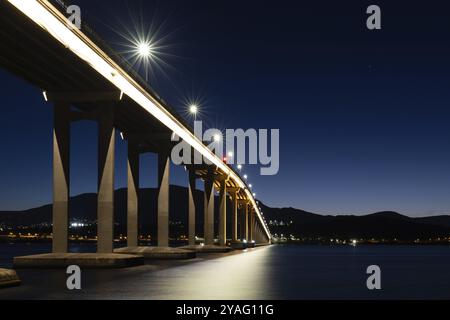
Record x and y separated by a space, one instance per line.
105 201
234 218
61 177
163 198
260 233
260 237
209 210
251 225
255 232
192 207
133 194
223 213
242 223
246 221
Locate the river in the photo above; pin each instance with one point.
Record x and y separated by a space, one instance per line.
274 272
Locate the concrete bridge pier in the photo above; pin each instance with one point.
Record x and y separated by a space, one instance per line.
163 198
105 202
63 116
209 208
159 143
234 217
260 236
133 194
255 232
246 222
61 177
242 222
239 225
192 207
223 213
251 225
208 174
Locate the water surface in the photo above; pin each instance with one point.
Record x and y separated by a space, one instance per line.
275 272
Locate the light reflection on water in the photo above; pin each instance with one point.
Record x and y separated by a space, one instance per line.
239 276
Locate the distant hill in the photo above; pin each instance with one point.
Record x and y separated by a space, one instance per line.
388 225
84 207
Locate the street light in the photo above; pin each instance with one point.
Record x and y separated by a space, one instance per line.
245 176
193 108
144 50
239 167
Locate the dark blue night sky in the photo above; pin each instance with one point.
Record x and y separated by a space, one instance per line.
363 115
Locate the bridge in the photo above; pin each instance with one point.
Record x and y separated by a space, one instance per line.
86 80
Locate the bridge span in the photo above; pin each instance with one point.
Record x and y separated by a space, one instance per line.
86 80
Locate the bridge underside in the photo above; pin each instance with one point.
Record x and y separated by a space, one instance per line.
79 92
28 52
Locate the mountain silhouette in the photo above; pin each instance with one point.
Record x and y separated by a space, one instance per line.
84 208
381 225
300 223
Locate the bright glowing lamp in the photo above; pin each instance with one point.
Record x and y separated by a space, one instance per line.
144 50
193 109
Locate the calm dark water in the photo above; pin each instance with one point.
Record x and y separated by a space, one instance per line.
275 272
